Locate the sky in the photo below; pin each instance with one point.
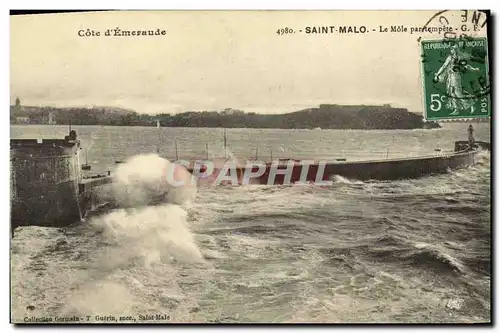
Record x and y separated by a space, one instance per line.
210 60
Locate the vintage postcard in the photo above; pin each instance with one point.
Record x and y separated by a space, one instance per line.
250 167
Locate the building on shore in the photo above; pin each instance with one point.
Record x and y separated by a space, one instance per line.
22 120
51 119
18 113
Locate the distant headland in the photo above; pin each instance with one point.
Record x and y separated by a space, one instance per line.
326 116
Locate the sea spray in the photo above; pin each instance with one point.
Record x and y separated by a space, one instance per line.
337 179
150 179
146 235
149 234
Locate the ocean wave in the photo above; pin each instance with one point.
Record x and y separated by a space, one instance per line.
420 255
389 239
399 248
337 179
433 258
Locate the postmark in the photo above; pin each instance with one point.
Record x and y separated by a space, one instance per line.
455 78
455 25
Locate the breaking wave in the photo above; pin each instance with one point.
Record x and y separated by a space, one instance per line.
150 179
397 249
148 232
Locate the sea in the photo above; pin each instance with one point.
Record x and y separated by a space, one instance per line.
408 251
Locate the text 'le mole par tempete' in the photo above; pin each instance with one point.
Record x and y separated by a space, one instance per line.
117 32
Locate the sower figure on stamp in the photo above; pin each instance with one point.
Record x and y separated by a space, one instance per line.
455 64
470 130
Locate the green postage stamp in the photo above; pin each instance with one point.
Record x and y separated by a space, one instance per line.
455 78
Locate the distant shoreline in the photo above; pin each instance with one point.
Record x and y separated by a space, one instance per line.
236 128
326 116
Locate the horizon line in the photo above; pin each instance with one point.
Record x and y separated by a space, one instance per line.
386 105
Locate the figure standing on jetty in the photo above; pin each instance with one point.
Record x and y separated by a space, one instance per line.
470 130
